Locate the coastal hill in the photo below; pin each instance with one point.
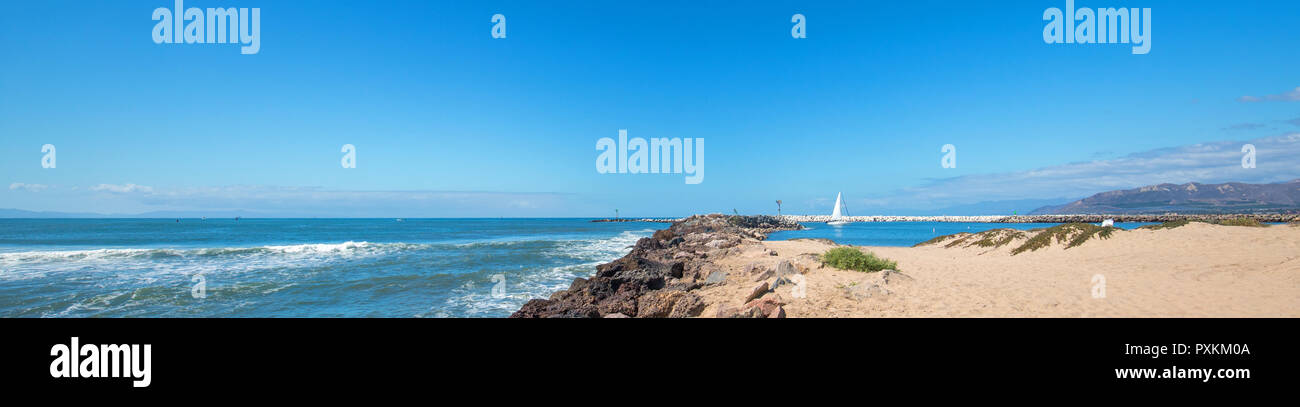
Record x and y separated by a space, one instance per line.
1189 198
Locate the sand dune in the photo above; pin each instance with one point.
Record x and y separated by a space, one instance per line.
1198 270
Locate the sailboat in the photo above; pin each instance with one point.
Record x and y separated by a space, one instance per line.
836 218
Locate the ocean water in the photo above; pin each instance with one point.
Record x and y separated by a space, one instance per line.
332 267
904 233
297 267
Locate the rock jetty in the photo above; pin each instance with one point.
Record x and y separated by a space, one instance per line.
656 220
659 277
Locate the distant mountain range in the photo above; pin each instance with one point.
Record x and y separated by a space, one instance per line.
1005 207
1189 198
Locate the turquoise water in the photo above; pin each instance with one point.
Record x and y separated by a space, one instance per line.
903 233
296 267
331 267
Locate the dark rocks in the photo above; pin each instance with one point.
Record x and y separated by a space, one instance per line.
752 313
682 286
769 306
657 304
779 313
689 305
676 269
781 281
623 302
783 273
578 284
757 291
760 223
537 308
722 243
656 277
726 311
760 308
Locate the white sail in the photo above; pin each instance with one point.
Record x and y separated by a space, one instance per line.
835 215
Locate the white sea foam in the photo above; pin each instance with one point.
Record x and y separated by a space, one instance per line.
472 299
602 249
345 248
157 281
144 265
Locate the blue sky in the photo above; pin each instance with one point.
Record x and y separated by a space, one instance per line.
448 121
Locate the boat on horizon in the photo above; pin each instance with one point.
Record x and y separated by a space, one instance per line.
837 218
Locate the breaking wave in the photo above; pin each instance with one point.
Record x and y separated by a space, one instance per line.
484 278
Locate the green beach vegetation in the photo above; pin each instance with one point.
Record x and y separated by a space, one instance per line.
1068 234
1242 221
990 238
1251 222
1071 234
939 239
1167 225
848 258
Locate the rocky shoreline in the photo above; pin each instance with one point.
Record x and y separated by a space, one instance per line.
659 277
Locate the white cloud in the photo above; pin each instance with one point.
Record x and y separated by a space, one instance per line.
18 186
314 201
1205 163
1288 96
122 189
1245 126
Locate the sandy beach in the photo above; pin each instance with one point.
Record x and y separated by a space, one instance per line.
1198 270
716 266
